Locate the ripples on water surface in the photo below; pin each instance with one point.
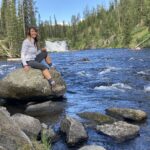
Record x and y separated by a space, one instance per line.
111 78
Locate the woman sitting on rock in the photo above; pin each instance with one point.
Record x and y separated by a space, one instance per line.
32 57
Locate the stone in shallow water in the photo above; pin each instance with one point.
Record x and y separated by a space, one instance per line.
21 85
49 133
126 113
74 130
120 130
96 117
92 147
45 108
85 59
31 126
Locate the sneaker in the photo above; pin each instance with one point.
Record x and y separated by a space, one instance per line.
51 82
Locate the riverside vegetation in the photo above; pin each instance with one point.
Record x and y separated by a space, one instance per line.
125 23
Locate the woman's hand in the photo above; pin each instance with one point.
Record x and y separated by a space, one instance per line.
43 49
26 68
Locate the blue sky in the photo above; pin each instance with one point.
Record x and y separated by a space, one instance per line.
64 9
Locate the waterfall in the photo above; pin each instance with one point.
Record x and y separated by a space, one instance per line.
57 46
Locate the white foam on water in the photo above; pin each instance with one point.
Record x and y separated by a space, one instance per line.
141 60
132 58
1 72
141 73
117 86
9 68
146 72
12 68
108 69
2 66
106 88
83 73
147 88
2 69
123 86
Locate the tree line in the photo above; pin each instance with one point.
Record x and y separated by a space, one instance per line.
98 27
103 27
15 17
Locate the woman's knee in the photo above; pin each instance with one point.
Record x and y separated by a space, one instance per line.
43 68
37 65
44 53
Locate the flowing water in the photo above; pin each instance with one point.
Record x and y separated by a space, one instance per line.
109 78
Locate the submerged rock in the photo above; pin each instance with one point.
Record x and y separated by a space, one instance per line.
45 108
126 113
31 126
24 85
92 147
11 136
85 59
96 117
74 130
120 130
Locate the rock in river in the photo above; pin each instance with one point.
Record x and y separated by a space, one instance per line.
11 136
45 108
24 85
48 132
92 147
74 130
31 126
120 130
96 117
126 113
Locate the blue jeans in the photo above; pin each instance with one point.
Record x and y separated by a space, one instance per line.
37 62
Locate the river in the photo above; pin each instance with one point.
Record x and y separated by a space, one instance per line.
111 78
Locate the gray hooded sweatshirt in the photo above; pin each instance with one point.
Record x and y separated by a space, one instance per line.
29 51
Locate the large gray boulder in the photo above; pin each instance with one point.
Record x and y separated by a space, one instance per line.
74 130
29 125
20 84
120 130
127 113
11 136
92 147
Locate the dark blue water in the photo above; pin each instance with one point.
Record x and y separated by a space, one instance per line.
111 78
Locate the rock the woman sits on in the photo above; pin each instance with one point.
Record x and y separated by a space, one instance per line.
32 57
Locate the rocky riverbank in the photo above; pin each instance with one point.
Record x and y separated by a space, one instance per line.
24 132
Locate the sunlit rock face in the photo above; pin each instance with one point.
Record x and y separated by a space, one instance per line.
57 46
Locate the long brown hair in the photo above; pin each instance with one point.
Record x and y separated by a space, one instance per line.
29 35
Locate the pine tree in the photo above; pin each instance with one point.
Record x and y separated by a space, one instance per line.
29 13
11 25
20 26
3 16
